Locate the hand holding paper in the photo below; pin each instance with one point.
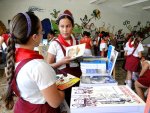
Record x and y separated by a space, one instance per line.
75 51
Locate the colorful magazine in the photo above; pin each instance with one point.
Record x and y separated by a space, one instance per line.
75 51
65 81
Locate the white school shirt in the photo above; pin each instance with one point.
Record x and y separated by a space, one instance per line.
130 50
33 77
56 50
103 46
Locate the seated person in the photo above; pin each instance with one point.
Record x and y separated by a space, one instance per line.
143 82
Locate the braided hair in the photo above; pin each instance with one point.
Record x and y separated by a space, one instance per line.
22 27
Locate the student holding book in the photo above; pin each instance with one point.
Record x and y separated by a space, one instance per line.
29 77
57 49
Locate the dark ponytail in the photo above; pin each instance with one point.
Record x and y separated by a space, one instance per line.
10 58
22 26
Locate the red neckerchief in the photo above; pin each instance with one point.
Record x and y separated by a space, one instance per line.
22 54
64 42
131 45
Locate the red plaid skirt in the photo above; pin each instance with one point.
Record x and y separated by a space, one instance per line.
132 63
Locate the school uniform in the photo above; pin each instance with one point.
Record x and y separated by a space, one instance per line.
29 82
103 45
58 48
88 46
132 59
145 78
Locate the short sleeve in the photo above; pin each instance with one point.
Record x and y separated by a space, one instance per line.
102 46
44 75
140 47
126 47
52 48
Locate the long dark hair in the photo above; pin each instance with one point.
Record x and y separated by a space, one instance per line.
22 26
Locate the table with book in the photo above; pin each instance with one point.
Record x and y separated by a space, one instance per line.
99 92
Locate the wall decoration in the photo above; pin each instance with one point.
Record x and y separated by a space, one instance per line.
55 13
96 14
127 24
86 20
139 28
35 8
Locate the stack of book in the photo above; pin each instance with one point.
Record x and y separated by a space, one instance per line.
93 67
97 71
105 99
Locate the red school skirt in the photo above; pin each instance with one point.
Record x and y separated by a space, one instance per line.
132 63
145 79
23 106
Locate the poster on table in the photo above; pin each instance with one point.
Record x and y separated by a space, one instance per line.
105 99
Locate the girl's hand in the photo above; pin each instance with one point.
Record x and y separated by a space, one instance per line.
66 60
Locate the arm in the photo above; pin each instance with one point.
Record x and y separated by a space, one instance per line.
145 67
1 40
102 52
140 54
91 43
53 96
51 60
125 53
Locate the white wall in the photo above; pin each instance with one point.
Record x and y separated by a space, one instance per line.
111 12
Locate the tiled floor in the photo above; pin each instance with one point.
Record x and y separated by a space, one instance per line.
120 76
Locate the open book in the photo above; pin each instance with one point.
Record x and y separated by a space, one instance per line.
66 81
75 51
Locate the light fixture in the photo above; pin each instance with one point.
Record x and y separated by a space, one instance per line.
97 1
146 7
134 2
93 1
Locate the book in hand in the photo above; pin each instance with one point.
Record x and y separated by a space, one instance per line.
97 81
75 51
65 81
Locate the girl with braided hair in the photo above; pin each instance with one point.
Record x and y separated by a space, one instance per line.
36 91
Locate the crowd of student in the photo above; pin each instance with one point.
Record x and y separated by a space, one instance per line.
33 79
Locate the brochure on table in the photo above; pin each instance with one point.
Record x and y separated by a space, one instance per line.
65 81
105 99
97 81
98 65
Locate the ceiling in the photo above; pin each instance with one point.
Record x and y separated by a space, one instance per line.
136 4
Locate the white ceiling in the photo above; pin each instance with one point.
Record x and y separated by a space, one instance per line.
132 4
